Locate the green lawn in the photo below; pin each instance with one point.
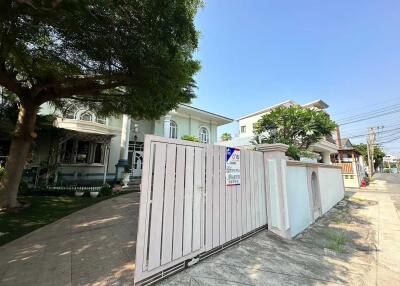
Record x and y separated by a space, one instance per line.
43 210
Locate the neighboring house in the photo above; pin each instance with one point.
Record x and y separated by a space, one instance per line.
247 123
351 161
93 148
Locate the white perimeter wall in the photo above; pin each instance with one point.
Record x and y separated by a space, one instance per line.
298 199
331 187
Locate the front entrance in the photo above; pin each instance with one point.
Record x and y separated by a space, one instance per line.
135 158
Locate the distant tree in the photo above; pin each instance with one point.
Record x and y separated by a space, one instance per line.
226 136
190 138
378 153
295 126
116 57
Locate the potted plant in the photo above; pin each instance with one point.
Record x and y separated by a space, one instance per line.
94 193
79 192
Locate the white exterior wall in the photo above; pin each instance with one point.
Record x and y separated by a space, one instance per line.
331 187
298 199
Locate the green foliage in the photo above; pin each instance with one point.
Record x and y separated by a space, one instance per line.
2 170
378 153
295 126
132 57
190 138
226 136
106 190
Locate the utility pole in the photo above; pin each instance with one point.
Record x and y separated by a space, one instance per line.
371 142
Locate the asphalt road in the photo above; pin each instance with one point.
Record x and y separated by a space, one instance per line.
393 186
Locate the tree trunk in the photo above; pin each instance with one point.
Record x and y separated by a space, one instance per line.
20 145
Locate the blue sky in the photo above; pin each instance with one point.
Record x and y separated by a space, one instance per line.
258 53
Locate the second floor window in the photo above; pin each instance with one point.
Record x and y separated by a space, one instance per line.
173 129
204 135
243 129
74 111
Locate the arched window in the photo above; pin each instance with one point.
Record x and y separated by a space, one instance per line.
173 129
86 116
204 135
101 119
71 111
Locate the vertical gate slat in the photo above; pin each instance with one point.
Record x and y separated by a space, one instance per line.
157 205
239 210
262 190
178 207
243 190
203 198
143 222
215 214
233 210
209 198
168 220
197 194
222 197
188 205
255 192
259 191
248 192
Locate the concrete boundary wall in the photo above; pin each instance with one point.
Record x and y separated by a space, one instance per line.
298 193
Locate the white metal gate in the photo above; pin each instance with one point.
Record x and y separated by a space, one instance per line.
186 210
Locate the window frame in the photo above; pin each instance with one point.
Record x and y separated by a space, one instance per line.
173 128
207 134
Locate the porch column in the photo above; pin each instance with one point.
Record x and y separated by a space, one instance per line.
167 124
275 179
124 146
326 158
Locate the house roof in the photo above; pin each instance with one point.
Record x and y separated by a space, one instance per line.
218 119
319 103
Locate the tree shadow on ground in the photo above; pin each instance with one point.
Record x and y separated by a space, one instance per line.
94 246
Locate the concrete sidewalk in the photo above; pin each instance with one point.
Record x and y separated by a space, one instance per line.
94 246
356 243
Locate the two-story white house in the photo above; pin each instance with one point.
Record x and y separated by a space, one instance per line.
247 123
91 148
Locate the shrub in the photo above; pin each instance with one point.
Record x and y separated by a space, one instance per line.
190 138
2 171
106 190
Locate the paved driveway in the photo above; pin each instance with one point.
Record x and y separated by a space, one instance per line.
357 243
94 246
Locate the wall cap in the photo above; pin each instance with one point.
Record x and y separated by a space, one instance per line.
277 147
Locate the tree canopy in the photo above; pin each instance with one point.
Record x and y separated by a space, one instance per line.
117 57
295 126
132 57
378 153
226 136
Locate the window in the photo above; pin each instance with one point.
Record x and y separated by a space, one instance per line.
204 135
101 119
173 129
75 111
98 153
254 126
243 129
71 111
86 116
82 152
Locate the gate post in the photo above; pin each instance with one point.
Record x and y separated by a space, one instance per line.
275 187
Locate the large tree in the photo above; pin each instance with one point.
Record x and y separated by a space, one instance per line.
118 57
378 153
295 126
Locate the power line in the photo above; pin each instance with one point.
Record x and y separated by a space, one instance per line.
380 132
370 116
394 139
375 111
